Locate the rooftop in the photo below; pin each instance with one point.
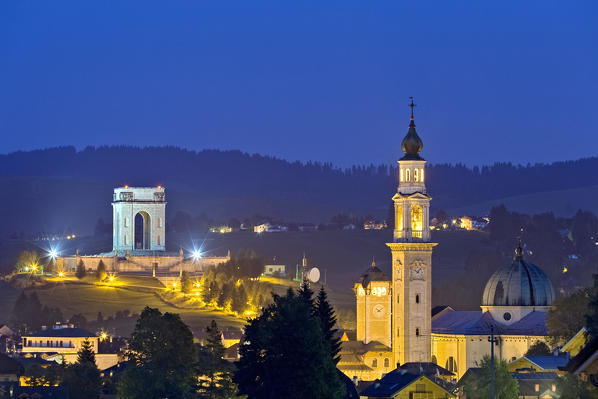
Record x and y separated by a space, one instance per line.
478 323
63 333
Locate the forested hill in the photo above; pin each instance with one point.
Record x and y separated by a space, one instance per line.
46 190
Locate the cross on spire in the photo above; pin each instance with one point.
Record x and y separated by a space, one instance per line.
412 105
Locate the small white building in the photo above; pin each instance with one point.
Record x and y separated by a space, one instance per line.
271 270
269 228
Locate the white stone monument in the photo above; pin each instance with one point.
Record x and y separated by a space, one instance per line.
144 206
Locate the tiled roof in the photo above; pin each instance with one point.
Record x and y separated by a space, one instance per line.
425 368
550 362
478 323
63 332
543 375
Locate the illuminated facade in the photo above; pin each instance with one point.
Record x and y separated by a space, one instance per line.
374 319
411 251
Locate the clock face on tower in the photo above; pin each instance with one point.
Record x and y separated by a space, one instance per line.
417 273
379 311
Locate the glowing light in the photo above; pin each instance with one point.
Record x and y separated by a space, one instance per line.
159 187
197 294
196 254
103 336
173 285
26 268
60 274
379 291
34 268
73 236
68 237
53 253
565 270
111 277
126 186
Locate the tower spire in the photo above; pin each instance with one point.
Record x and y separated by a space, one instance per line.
373 262
412 105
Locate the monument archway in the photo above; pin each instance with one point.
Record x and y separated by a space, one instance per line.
142 230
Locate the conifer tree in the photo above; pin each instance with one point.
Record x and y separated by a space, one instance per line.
186 283
216 373
80 271
101 271
325 313
285 354
83 376
306 293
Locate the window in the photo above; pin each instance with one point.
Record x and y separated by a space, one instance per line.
415 175
375 363
386 362
421 175
158 240
398 332
417 298
417 332
398 299
125 240
451 365
159 222
401 178
407 175
417 220
125 222
434 360
553 388
420 387
537 387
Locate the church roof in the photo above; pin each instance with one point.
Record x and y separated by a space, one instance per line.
396 381
518 284
549 362
373 273
478 323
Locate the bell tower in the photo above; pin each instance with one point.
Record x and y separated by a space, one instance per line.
411 251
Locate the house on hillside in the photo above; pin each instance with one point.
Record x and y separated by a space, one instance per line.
269 228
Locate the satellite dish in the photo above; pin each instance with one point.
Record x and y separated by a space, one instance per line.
313 275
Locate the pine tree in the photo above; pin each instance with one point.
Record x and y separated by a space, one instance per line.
80 271
83 377
224 298
50 267
325 313
216 373
285 354
186 283
101 273
86 353
306 293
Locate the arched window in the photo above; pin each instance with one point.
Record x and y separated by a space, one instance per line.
416 298
407 175
401 177
375 363
158 240
125 240
399 217
159 222
415 175
417 332
417 221
125 222
386 362
421 175
434 359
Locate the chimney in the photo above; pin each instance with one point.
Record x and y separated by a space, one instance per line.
355 380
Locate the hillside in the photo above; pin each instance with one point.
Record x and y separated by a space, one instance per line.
61 189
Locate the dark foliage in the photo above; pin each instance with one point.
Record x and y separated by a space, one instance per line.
162 359
215 372
285 354
80 272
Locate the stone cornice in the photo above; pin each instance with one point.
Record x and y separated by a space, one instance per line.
411 246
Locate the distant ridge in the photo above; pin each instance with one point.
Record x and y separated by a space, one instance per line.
58 187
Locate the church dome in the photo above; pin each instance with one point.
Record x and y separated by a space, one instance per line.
373 273
412 144
518 284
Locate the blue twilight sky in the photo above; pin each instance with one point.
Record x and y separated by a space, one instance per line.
323 80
